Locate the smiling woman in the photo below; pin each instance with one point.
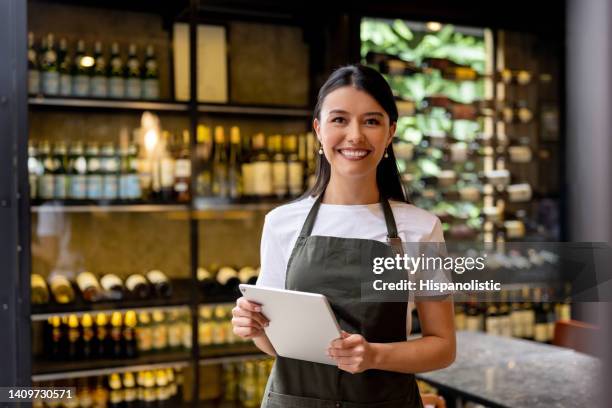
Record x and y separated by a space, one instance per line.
320 242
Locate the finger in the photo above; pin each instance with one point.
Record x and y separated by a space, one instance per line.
334 352
243 303
344 334
246 322
247 332
251 315
349 368
349 342
348 361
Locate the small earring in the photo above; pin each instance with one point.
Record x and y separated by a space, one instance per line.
386 154
320 150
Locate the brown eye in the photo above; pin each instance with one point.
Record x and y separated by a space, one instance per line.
338 119
372 122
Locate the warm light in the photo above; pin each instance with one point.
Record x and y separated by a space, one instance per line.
433 26
150 139
87 61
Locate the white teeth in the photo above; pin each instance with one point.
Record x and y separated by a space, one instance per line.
354 153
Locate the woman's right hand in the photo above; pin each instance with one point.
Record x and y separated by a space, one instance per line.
247 319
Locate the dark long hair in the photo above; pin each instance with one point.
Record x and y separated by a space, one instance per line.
371 81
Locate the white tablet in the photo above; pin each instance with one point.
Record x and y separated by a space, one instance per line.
302 324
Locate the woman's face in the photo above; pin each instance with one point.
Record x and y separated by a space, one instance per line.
354 131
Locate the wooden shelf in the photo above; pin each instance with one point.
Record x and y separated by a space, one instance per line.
255 110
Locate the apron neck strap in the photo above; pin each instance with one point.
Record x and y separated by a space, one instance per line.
314 210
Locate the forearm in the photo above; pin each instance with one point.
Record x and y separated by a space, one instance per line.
263 343
414 356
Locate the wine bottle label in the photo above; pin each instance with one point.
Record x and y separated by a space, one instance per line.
519 192
225 274
99 86
109 280
46 188
50 83
279 178
219 333
181 187
565 312
94 186
73 335
156 277
80 85
472 323
460 321
166 167
144 338
116 87
550 331
56 281
247 179
520 154
528 323
174 334
133 88
182 168
150 88
88 333
540 332
205 333
133 186
77 186
65 87
86 280
61 186
160 337
129 394
186 336
296 178
492 325
133 280
110 187
33 81
116 397
262 178
516 323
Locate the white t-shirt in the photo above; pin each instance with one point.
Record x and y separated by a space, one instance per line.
283 224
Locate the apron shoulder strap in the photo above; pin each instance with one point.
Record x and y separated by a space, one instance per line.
310 218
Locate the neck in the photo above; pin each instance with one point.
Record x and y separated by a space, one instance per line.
353 191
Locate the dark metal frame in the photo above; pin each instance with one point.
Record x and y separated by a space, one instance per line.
14 202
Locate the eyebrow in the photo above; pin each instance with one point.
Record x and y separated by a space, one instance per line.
365 114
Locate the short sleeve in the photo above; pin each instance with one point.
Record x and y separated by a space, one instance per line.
433 246
273 265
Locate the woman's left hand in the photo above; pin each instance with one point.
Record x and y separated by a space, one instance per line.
352 352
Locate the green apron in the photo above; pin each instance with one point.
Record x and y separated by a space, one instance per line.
330 266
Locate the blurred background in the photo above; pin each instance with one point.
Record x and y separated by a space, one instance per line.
146 141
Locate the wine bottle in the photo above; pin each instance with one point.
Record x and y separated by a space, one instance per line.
295 168
261 166
110 172
116 394
206 281
87 337
39 290
77 172
56 338
159 330
130 347
248 274
175 328
112 286
116 335
204 156
116 84
61 289
130 396
81 80
234 167
279 167
138 287
60 175
50 68
73 337
144 335
228 279
133 75
182 171
65 69
161 284
33 67
89 286
99 80
220 186
101 340
150 82
94 172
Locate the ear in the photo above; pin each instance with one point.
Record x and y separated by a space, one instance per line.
316 125
392 130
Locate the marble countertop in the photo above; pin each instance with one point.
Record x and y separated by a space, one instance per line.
508 372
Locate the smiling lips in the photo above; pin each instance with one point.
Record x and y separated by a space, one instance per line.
354 154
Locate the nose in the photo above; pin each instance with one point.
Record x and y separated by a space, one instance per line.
354 134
